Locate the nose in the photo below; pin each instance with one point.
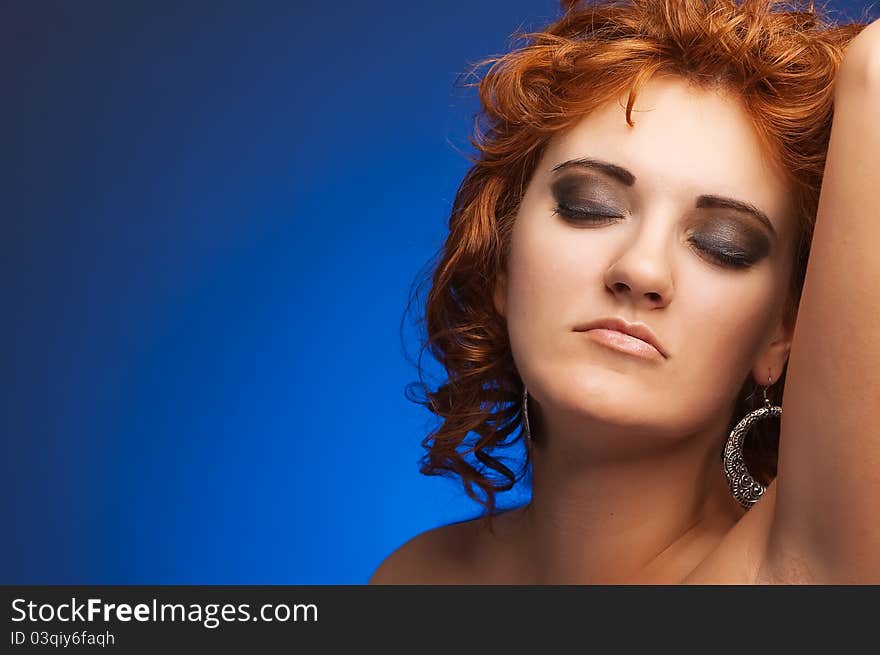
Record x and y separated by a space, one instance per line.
641 275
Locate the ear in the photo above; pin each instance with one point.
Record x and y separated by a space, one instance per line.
771 361
499 295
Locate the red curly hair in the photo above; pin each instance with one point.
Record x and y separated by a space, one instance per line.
779 58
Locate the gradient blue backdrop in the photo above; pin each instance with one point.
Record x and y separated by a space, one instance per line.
213 213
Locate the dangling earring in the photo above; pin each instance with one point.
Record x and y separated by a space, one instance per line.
527 433
742 485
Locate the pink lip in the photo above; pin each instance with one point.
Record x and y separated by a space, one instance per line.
617 333
624 343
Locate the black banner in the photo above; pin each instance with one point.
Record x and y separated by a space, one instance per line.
285 618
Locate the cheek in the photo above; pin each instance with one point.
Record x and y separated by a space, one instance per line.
553 277
551 281
733 315
557 281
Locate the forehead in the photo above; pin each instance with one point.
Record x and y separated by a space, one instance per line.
686 142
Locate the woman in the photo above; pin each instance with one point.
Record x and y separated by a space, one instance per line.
639 262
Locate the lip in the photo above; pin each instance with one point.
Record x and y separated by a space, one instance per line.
633 338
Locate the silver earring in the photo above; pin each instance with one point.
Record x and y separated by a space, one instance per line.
742 485
527 433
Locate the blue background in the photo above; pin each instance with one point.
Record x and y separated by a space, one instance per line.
213 217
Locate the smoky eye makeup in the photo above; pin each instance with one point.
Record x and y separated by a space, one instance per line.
579 196
731 242
728 241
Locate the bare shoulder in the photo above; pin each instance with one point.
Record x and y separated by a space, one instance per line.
436 556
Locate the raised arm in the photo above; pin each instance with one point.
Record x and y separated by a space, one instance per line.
827 511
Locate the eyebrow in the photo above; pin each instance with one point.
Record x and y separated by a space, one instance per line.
706 201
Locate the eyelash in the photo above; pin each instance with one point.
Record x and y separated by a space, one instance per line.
724 258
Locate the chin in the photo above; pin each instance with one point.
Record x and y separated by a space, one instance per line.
606 402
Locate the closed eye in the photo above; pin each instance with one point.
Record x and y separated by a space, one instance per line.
726 255
594 213
719 252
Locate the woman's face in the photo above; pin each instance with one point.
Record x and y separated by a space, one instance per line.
709 280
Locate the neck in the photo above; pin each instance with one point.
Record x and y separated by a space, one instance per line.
624 506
